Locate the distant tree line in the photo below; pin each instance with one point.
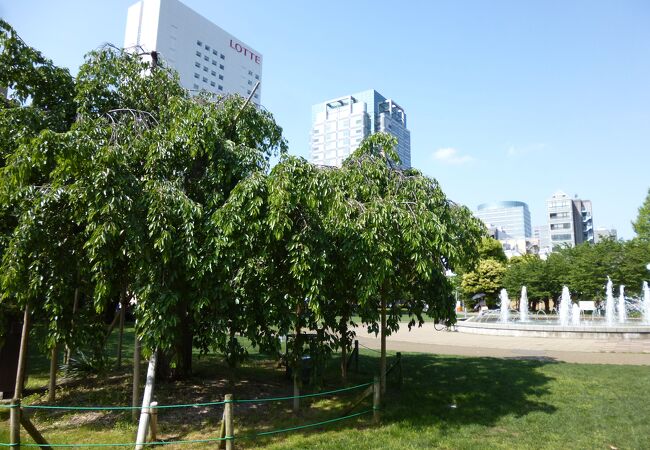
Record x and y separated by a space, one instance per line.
584 268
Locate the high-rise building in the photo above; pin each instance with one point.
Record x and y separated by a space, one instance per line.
542 234
511 218
205 56
570 221
602 233
339 125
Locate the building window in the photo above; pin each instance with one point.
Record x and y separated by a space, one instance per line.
257 77
199 43
250 83
220 88
207 47
205 80
213 73
205 69
206 58
221 77
212 83
256 96
221 66
198 53
214 63
249 92
196 86
215 53
196 75
250 72
197 64
223 56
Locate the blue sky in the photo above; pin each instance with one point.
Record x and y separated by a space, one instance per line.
506 100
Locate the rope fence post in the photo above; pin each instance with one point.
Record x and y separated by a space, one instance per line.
376 400
399 369
143 425
14 423
33 432
228 416
153 424
222 430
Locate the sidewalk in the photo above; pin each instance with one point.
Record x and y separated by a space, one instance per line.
594 351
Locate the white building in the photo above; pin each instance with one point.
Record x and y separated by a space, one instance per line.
339 125
205 56
570 221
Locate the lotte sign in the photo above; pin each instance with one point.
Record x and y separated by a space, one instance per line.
241 49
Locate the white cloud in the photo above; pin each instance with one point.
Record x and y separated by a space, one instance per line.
451 156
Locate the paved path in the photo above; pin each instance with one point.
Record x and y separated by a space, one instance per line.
597 351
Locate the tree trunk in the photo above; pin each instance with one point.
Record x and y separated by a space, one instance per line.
382 359
54 356
343 329
297 359
75 307
22 355
184 350
121 337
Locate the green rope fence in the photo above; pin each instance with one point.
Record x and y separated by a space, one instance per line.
301 427
189 405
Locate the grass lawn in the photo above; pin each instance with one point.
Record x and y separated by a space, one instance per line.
445 402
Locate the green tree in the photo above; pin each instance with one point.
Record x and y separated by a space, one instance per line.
642 223
487 278
37 226
408 234
130 189
490 248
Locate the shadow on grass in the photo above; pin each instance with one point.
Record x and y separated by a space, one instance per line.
454 391
442 391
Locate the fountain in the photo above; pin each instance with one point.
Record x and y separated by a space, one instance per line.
623 318
646 303
523 305
609 304
505 306
565 306
575 315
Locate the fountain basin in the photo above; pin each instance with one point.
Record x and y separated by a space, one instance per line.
532 329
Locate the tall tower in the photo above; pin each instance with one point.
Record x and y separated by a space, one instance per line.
570 221
339 125
205 56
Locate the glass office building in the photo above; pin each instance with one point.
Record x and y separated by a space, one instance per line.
339 125
510 218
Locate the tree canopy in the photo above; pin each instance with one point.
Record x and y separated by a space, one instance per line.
642 223
120 187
